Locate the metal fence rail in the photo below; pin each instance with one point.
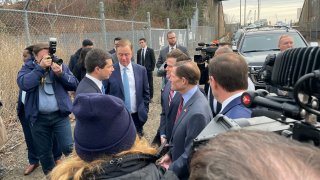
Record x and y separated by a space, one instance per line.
28 27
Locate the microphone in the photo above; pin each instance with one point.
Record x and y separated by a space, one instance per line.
251 99
201 44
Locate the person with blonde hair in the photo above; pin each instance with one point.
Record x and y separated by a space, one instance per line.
106 143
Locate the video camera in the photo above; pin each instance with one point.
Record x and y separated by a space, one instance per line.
207 52
296 116
52 51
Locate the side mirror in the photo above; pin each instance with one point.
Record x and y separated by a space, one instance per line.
234 48
314 44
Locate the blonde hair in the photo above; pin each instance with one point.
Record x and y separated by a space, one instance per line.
73 167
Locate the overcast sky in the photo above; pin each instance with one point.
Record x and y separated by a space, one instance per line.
273 10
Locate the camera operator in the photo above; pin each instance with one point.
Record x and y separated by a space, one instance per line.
207 51
47 103
285 42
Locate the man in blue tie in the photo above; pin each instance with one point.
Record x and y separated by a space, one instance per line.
99 67
129 82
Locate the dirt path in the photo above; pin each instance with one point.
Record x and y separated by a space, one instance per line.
14 155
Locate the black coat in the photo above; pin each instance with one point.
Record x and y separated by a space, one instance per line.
150 60
136 166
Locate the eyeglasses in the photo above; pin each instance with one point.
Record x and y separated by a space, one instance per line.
171 37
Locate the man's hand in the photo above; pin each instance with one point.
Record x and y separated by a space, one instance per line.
165 161
163 140
56 69
45 62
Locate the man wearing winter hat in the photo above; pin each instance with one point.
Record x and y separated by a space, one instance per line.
106 143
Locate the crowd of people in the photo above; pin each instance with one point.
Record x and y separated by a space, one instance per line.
111 106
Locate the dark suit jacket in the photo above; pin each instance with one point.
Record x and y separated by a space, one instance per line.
165 51
112 51
115 87
168 113
194 117
149 59
235 109
86 85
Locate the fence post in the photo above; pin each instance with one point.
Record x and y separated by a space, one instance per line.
168 23
103 24
26 23
149 27
132 29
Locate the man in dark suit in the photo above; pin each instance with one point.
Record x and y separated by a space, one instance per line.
214 105
146 58
192 117
129 82
99 67
87 43
115 41
169 100
228 77
172 44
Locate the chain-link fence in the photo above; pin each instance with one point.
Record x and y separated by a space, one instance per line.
19 28
31 27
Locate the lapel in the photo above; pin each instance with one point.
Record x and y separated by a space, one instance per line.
185 111
166 93
136 77
232 104
94 85
118 78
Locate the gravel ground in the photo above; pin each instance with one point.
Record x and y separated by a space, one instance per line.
14 154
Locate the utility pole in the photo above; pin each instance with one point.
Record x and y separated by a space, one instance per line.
245 12
259 7
240 13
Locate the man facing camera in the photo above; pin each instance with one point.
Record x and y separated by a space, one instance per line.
99 67
146 58
129 82
228 77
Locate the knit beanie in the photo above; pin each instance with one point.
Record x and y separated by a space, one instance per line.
103 126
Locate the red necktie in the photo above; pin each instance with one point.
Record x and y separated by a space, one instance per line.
179 109
171 96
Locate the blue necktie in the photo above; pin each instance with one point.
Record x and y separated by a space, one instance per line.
103 90
126 89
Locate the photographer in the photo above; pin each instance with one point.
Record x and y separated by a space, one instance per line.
47 103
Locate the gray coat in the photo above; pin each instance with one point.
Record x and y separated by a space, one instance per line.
165 51
86 85
194 117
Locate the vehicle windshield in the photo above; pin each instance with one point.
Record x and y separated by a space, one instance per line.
266 42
